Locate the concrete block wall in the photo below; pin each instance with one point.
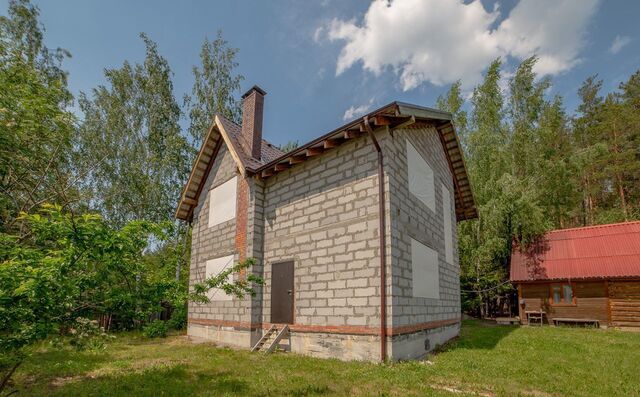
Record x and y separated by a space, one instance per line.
213 242
323 215
411 218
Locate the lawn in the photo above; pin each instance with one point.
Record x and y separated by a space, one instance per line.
485 360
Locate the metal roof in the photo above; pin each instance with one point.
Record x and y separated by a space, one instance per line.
593 252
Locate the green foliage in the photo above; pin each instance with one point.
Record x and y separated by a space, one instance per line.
35 125
86 334
129 144
289 146
215 83
81 266
156 329
532 168
178 320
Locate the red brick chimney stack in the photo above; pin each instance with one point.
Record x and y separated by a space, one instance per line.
252 111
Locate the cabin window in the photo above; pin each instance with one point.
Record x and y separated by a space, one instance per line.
421 180
448 226
425 271
222 202
213 268
562 294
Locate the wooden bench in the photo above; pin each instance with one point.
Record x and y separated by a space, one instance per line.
537 315
558 320
507 320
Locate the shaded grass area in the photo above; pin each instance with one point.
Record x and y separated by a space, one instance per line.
487 360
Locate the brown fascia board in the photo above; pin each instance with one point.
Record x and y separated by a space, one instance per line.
399 108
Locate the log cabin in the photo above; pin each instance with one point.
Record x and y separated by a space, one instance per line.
588 275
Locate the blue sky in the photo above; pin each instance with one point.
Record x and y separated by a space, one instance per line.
322 62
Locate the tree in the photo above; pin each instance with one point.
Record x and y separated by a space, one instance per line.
35 125
289 146
588 150
453 103
508 209
526 102
214 89
81 266
129 143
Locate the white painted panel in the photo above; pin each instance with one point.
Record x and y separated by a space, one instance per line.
214 267
421 181
448 229
222 202
425 270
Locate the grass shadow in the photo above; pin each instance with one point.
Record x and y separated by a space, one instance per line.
479 335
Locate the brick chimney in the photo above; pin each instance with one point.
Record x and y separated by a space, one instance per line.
252 110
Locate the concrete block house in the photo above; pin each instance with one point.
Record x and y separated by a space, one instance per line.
354 233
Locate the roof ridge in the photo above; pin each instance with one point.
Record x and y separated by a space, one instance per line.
593 226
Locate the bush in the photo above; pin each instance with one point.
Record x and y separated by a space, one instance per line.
87 335
156 329
178 318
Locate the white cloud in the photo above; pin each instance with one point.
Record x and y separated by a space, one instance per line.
355 111
443 41
618 43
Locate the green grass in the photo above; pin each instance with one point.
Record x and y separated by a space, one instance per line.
488 360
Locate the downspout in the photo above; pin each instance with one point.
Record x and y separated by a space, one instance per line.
383 245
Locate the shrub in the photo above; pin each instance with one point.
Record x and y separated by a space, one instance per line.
87 335
156 329
178 318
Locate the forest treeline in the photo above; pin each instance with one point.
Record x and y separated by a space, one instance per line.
87 234
534 167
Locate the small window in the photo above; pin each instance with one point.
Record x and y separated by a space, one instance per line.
425 271
222 202
421 179
562 294
214 267
448 226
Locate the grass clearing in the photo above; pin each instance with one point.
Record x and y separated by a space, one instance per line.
485 360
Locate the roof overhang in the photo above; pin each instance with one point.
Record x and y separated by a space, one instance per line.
393 116
216 136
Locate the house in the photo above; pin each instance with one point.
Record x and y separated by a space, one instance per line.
588 274
354 233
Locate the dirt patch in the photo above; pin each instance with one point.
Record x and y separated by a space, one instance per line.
135 367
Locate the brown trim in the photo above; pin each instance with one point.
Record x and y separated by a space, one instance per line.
566 280
606 286
224 323
520 304
331 329
563 302
409 329
205 175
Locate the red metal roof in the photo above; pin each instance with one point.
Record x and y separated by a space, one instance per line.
604 251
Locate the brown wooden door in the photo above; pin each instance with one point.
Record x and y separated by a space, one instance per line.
624 301
282 293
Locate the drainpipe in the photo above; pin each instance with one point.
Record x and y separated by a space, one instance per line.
383 245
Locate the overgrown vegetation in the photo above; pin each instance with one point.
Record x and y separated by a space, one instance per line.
489 360
67 270
533 168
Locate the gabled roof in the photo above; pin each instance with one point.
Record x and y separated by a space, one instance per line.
394 115
221 131
593 252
